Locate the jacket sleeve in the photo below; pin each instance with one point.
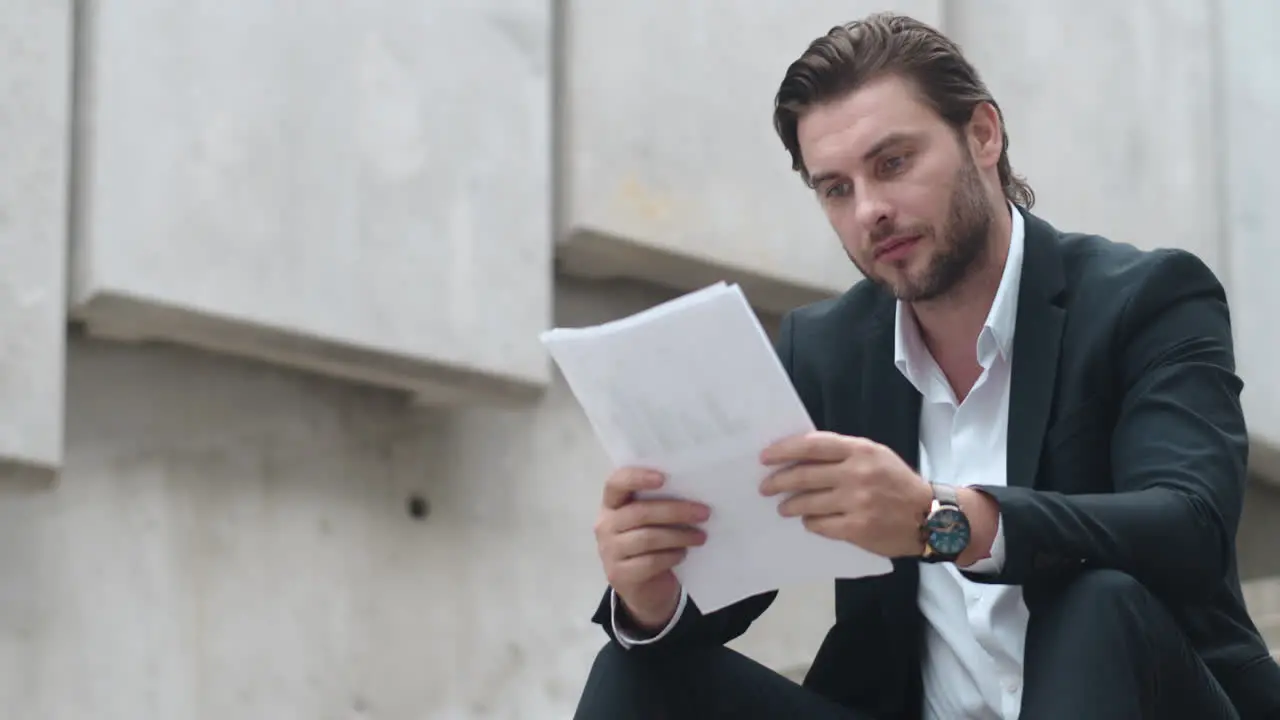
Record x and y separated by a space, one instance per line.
693 627
728 622
1178 452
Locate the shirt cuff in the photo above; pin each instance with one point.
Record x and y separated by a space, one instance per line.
626 640
994 563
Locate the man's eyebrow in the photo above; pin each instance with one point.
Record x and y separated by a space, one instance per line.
820 178
883 144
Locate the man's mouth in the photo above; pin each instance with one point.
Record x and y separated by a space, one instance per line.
895 247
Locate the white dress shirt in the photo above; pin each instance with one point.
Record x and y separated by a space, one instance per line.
974 632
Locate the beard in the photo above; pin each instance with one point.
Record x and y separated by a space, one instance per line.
962 248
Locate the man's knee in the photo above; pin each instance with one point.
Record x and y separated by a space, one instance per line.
611 654
1087 615
611 684
636 683
622 671
612 664
1109 583
1104 589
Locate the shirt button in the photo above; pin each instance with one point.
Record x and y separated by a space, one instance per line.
1011 685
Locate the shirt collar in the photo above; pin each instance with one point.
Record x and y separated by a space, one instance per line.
996 337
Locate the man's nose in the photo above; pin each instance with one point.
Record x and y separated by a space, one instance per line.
872 210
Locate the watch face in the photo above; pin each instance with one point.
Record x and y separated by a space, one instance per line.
948 531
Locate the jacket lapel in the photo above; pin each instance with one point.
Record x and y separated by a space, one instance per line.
891 404
1036 342
891 417
887 406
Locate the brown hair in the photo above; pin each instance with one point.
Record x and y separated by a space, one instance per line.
850 55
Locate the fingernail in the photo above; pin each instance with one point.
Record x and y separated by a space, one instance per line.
704 512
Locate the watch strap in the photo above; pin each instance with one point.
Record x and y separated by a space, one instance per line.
945 494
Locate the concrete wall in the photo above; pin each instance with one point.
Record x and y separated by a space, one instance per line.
1107 106
234 540
1250 94
239 529
302 183
35 84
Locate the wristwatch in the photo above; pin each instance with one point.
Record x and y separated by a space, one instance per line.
946 528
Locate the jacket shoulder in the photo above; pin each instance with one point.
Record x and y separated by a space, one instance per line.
1102 269
859 310
829 339
1115 296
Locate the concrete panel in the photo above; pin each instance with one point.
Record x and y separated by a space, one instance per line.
35 82
356 189
238 541
1110 109
1262 597
1251 107
1255 538
671 168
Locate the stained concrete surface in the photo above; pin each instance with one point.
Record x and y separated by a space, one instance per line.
35 82
331 186
1250 97
235 540
231 539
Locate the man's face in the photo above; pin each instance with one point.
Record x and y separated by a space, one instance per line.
900 188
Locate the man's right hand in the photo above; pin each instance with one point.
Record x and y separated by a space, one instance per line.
640 541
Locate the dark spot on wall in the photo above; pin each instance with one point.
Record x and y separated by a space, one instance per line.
418 506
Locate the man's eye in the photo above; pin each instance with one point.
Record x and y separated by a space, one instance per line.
893 163
837 190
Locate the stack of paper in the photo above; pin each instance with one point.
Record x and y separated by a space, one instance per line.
694 389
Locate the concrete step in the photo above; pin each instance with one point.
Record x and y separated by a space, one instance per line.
1263 599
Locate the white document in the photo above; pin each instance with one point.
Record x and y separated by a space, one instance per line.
693 388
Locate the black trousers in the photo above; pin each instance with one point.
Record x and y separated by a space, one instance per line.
1104 649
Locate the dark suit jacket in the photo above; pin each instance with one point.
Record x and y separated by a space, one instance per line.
1127 450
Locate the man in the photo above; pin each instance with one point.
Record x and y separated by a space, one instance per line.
1043 430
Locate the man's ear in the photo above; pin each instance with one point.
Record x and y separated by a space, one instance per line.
985 135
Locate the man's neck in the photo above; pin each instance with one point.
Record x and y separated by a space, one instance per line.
950 325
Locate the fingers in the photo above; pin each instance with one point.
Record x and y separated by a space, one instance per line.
830 526
642 552
801 478
808 447
625 482
655 540
816 503
638 556
642 568
658 512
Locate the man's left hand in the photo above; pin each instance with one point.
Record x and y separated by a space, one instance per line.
852 489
